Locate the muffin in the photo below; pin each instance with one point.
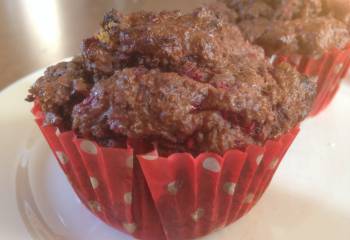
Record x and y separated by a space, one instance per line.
170 125
313 35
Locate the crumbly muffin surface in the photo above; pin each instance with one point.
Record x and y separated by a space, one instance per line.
308 27
59 89
182 82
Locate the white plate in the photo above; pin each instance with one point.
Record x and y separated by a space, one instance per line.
309 197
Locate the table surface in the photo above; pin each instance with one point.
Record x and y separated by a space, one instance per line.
36 33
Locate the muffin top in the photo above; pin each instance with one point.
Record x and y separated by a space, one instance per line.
171 41
61 87
307 27
180 82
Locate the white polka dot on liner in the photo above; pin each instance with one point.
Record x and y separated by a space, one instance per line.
57 132
130 161
198 214
130 227
259 159
249 198
150 156
88 147
94 182
62 157
94 206
212 165
229 188
173 188
128 198
273 164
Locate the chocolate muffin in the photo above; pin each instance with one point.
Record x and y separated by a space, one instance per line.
180 82
307 27
62 86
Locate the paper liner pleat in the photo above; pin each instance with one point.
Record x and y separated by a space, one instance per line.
152 197
195 196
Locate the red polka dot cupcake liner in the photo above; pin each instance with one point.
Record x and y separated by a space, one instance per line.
176 197
329 69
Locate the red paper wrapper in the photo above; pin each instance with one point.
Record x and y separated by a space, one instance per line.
152 197
329 69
